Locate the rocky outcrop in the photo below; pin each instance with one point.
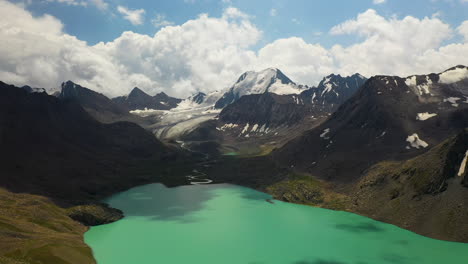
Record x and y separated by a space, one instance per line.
94 214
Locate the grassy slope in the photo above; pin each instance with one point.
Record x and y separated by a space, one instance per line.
35 230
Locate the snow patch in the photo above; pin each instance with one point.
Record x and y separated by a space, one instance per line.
146 112
383 134
254 128
453 76
461 171
411 81
246 128
416 142
227 126
452 100
424 116
328 88
325 133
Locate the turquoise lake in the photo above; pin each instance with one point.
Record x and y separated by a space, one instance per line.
228 224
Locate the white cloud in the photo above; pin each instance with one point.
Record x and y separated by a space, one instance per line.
202 54
232 12
393 46
100 4
463 29
209 53
378 2
70 2
135 16
160 21
303 62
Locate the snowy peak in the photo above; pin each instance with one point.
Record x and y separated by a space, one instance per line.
269 80
334 89
334 82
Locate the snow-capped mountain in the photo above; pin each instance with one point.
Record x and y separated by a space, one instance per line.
270 80
202 99
388 118
274 110
334 90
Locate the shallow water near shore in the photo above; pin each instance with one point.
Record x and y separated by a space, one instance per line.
222 223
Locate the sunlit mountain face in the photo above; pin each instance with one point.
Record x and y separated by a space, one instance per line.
233 131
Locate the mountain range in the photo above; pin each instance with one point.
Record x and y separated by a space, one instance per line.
388 147
137 99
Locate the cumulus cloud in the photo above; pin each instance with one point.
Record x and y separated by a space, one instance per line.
305 63
378 2
392 46
463 29
135 16
209 53
202 54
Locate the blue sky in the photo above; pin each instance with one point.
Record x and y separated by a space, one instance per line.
308 19
185 46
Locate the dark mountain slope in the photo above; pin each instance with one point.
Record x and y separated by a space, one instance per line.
96 104
389 118
137 99
268 108
55 148
333 91
423 194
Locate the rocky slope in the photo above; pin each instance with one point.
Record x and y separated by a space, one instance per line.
333 91
424 194
389 118
138 99
96 104
271 110
267 110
